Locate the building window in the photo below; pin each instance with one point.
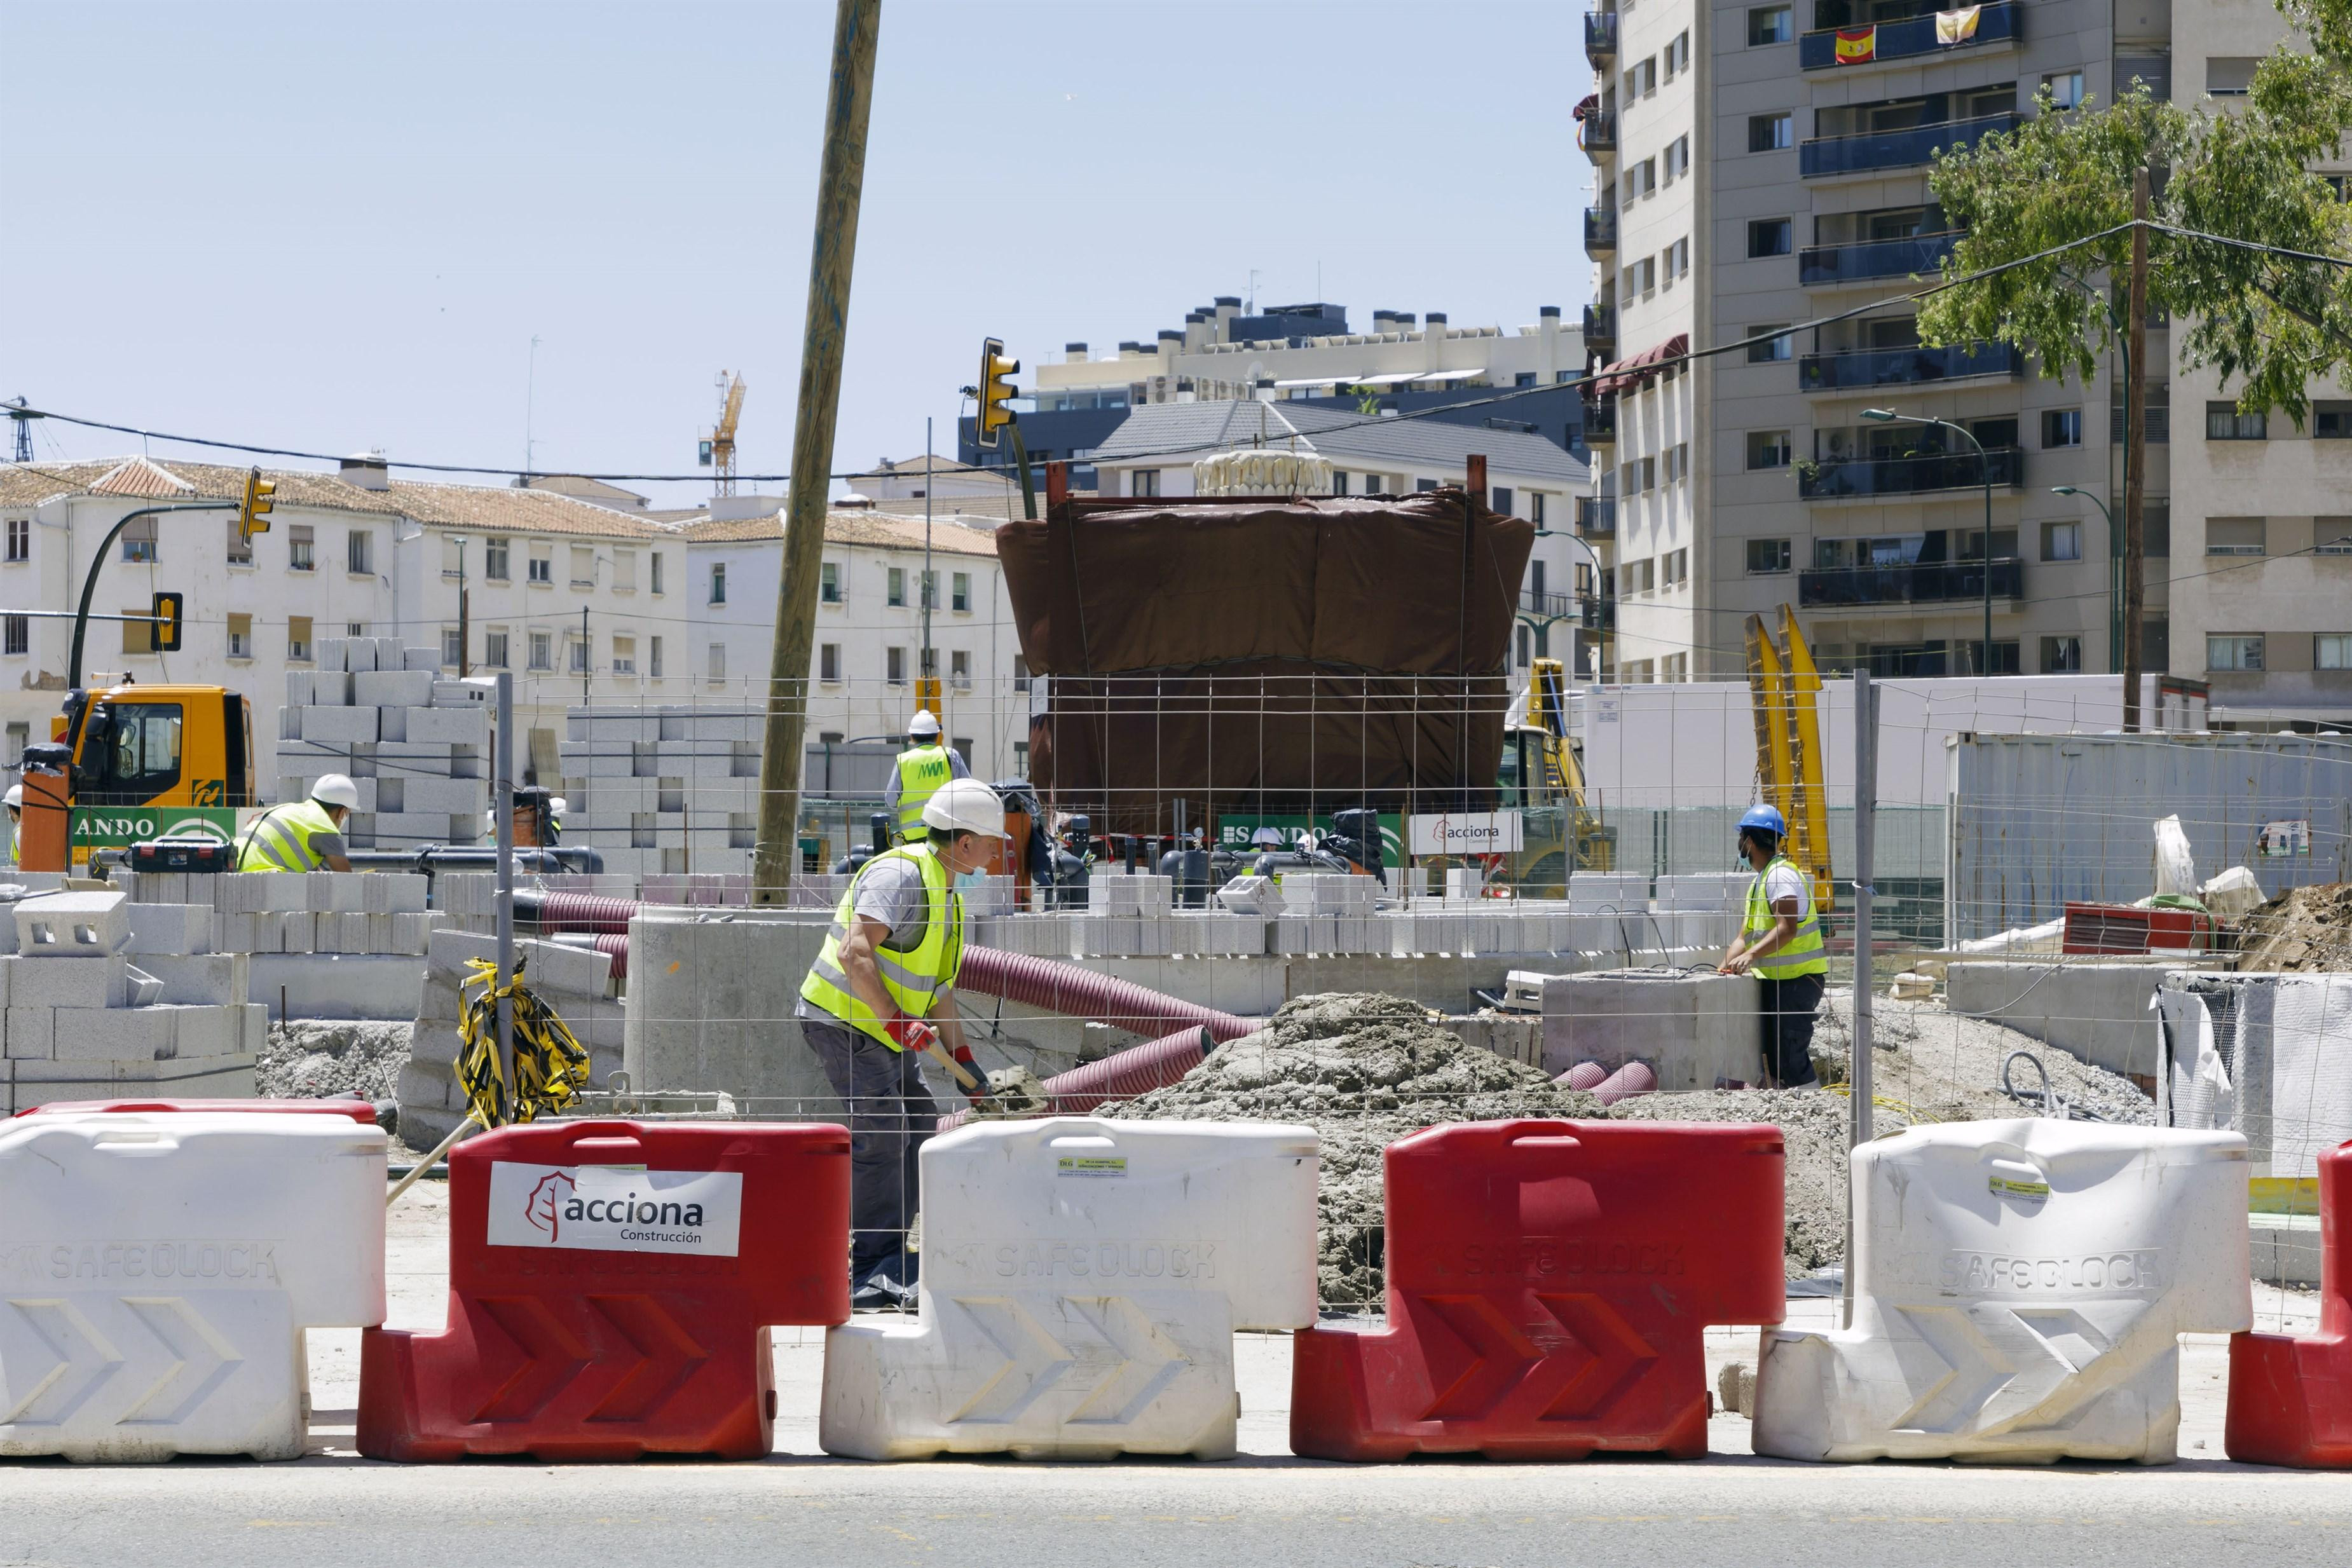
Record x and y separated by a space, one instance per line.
1677 55
1020 759
298 548
2230 76
897 594
2062 655
1768 449
828 584
2233 651
453 648
139 540
20 634
716 668
654 658
542 651
494 650
960 592
2064 88
1641 180
1678 258
1020 674
624 655
1771 25
240 636
1527 643
1676 158
1677 462
297 638
1766 556
2331 651
584 565
1677 567
2224 422
542 568
1763 349
1642 81
20 538
241 549
2061 427
356 629
654 579
1641 276
625 570
1143 482
960 669
576 654
1536 507
1340 482
494 559
895 667
2234 535
718 582
2062 542
828 662
1500 498
359 552
1767 237
1772 132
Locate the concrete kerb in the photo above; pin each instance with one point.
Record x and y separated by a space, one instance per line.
2096 1011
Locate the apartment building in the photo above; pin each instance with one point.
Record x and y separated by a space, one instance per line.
1761 165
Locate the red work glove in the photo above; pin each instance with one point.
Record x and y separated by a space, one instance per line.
911 1033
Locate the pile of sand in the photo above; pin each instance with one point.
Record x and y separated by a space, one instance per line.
2304 929
326 1059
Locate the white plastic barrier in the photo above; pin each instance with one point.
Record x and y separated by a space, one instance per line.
1081 1283
158 1270
2018 1288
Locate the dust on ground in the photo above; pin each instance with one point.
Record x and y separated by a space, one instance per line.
1364 1070
2303 929
326 1059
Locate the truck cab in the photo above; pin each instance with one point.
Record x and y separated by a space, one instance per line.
150 760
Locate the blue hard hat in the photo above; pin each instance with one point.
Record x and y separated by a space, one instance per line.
1767 817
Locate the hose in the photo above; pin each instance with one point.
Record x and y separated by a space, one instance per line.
558 911
1056 986
2051 1103
1634 1078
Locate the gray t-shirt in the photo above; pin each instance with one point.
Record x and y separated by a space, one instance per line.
890 890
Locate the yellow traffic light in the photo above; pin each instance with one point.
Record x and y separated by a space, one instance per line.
996 391
257 505
165 626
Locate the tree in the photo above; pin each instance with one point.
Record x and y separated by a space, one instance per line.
2272 322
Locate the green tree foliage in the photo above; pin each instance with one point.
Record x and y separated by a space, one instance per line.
2270 322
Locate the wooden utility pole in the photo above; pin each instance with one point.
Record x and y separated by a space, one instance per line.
2135 450
841 180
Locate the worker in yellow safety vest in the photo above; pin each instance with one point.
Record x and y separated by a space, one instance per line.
15 818
1781 944
922 768
881 995
302 835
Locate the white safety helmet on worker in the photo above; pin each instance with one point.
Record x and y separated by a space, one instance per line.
16 797
965 805
335 789
925 723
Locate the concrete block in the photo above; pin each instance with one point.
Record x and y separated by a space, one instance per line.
709 1009
419 659
66 982
329 652
359 656
453 726
28 1034
468 827
203 980
2097 1011
436 1044
339 726
422 1086
329 688
297 933
389 653
253 1028
206 1031
395 893
115 1034
1694 1030
298 688
335 890
411 830
448 796
175 929
393 688
206 1078
392 723
338 985
71 925
290 724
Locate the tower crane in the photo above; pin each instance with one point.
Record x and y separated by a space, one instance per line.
717 450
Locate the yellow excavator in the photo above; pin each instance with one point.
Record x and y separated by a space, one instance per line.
1785 687
1542 779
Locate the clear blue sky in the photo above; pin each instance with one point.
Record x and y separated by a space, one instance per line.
331 225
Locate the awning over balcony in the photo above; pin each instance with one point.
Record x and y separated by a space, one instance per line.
1586 107
1625 375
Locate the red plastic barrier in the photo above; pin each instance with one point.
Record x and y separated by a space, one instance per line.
2291 1399
577 1334
1548 1284
359 1111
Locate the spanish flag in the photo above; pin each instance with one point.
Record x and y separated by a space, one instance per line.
1956 27
1857 46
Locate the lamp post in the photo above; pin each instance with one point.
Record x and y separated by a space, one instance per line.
1581 543
1984 466
2115 576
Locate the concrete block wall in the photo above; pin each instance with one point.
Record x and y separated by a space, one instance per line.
713 1001
414 743
576 982
669 790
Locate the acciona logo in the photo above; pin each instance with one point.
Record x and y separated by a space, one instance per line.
615 1209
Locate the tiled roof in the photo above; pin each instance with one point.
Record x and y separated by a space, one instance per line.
138 476
876 529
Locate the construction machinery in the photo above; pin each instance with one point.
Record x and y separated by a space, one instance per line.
1786 688
717 449
129 763
1542 778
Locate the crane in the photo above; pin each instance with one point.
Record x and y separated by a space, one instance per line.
1785 686
718 453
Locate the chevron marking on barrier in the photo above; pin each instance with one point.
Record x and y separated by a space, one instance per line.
1532 1365
1152 1361
547 1354
1617 1357
2022 1369
1099 1353
72 1343
667 1357
1034 1359
1503 1355
201 1360
1976 1368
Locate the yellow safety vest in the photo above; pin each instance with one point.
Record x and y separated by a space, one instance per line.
921 770
279 839
912 977
1801 954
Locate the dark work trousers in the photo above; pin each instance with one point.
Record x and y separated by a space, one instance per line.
890 1115
1789 1009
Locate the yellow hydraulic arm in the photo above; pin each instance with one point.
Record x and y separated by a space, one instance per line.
1785 687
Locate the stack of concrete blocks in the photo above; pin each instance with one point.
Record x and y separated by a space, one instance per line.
416 743
101 998
1216 934
1699 1032
575 981
669 790
1702 910
327 945
1325 911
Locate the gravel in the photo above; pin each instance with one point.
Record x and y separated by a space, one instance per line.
328 1059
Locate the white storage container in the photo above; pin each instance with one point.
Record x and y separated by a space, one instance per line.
2018 1288
1082 1279
157 1272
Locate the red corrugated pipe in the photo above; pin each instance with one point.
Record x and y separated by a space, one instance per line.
1634 1078
618 947
576 911
1586 1075
1074 992
1122 1075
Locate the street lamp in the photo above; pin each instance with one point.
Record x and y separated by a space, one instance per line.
2115 576
1984 466
1575 665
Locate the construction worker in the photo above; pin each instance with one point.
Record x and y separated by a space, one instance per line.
880 996
922 768
1780 943
15 818
302 835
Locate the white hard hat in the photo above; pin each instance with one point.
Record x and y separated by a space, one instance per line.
968 804
16 797
924 723
335 789
555 806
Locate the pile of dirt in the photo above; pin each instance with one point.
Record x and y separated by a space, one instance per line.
2302 930
326 1059
1947 1067
1364 1070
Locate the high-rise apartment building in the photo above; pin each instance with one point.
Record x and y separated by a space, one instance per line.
1761 165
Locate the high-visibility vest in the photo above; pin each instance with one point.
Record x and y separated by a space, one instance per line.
921 770
279 839
1801 954
912 977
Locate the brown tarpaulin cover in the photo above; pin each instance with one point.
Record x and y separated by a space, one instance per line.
1270 655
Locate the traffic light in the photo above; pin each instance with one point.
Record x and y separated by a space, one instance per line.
257 505
165 626
996 391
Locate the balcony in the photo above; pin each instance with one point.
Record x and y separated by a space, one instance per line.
1599 232
1869 477
1597 134
1918 256
1904 367
1599 615
1912 583
1596 516
1909 38
1828 155
1600 326
1601 38
1601 420
1547 606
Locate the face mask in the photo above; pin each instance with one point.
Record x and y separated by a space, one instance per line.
966 881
